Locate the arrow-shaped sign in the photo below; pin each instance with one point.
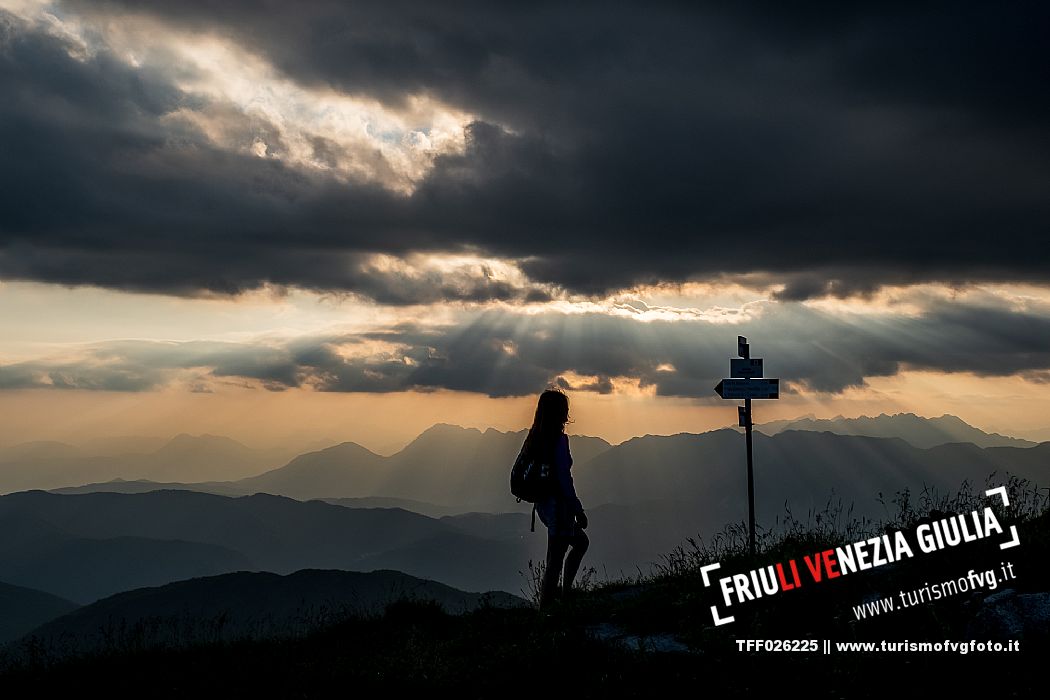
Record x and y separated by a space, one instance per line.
748 389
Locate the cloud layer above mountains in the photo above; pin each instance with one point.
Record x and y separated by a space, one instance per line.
192 147
503 353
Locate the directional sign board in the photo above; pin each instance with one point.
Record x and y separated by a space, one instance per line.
749 368
748 389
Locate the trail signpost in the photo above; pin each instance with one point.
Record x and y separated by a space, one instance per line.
746 382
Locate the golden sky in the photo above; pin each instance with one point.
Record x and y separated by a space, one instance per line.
51 326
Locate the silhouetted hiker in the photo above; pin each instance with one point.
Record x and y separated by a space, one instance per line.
562 511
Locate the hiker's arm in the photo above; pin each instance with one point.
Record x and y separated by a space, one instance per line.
567 487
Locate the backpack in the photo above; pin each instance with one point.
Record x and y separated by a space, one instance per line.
532 480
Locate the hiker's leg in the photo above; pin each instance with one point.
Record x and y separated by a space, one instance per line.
556 546
572 562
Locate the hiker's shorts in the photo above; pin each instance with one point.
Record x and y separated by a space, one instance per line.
555 513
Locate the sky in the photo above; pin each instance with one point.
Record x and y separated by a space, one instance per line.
320 221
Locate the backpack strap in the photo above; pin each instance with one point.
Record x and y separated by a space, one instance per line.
534 517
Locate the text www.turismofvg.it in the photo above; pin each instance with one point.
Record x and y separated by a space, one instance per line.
928 593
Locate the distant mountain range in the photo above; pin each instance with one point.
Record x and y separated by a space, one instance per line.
643 496
72 562
462 462
184 458
455 470
798 468
245 605
913 429
447 469
445 465
24 609
221 465
89 546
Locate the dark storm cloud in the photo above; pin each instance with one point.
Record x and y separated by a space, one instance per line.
501 354
94 190
839 148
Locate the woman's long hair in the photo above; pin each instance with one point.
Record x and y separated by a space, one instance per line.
552 413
